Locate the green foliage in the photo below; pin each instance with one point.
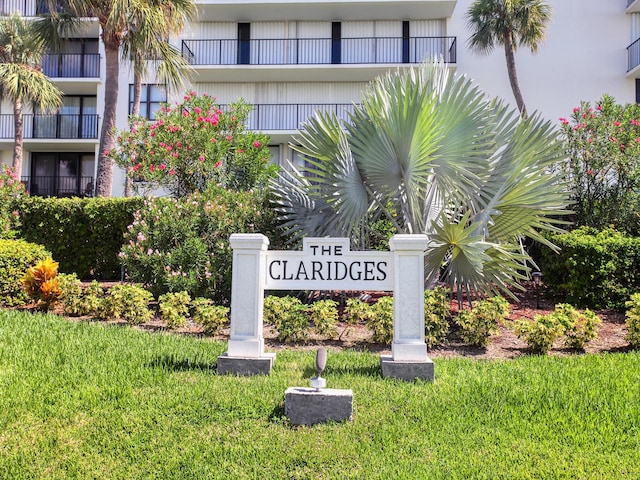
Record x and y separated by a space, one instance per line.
176 245
381 320
593 269
479 323
477 192
579 327
632 322
436 313
603 169
127 302
356 311
540 333
174 308
324 316
193 145
16 257
11 191
212 317
288 315
83 234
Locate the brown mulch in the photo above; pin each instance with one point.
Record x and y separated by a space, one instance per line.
505 345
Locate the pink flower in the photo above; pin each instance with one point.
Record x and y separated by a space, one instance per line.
201 158
162 166
213 140
172 172
152 167
198 110
228 138
599 108
257 144
218 164
563 120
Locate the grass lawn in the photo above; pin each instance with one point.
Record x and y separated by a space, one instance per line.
88 400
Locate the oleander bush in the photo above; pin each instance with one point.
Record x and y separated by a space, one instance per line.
16 257
11 193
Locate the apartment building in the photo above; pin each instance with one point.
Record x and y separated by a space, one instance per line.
289 58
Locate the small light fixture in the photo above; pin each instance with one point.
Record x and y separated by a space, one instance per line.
537 278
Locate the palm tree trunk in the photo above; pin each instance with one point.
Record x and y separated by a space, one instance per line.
104 176
17 132
135 111
513 76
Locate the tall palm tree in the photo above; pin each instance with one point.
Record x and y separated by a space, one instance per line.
510 23
146 42
116 19
430 153
21 78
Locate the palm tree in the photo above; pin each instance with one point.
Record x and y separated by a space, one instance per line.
146 41
21 78
116 18
430 153
510 23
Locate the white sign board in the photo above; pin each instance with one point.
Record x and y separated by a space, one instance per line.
327 264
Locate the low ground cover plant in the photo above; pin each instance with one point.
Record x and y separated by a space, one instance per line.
128 302
480 322
212 317
632 322
436 314
174 308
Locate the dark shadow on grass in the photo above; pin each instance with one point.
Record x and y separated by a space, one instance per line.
171 362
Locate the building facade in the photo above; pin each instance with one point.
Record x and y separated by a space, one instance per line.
289 58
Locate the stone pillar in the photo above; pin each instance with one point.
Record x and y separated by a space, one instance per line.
245 354
409 358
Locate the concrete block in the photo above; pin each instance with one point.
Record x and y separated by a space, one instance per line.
407 370
246 366
308 406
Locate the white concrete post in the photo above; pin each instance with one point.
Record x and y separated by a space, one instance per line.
247 295
408 298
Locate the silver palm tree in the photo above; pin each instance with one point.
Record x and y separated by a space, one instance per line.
429 152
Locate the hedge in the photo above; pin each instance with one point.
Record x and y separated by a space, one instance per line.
83 234
16 256
594 269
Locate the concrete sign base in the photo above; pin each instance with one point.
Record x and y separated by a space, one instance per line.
408 370
246 366
308 406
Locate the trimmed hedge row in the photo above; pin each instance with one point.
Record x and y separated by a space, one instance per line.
83 234
594 269
16 256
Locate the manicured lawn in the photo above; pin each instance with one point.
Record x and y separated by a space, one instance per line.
87 400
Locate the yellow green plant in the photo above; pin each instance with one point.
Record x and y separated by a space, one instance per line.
41 284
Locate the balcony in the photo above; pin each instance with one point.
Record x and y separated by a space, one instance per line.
633 6
633 56
57 186
55 126
71 65
26 8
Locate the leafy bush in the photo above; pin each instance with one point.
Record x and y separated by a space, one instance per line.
579 328
84 235
174 308
381 320
212 317
324 316
127 302
288 315
594 269
540 333
41 284
11 191
436 311
479 323
16 256
178 245
632 322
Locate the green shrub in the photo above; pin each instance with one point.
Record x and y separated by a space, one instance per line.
436 311
84 235
540 333
212 317
16 257
356 311
324 316
71 291
478 324
127 302
579 328
593 269
182 244
632 322
174 308
11 192
289 316
381 321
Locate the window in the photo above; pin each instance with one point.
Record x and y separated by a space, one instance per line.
151 99
244 43
77 118
61 174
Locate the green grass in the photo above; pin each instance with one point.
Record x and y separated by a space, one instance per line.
86 400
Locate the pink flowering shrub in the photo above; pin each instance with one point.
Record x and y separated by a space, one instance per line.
182 244
11 191
194 144
603 169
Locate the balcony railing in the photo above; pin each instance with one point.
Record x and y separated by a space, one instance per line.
633 55
70 65
26 8
56 186
319 51
266 117
51 126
